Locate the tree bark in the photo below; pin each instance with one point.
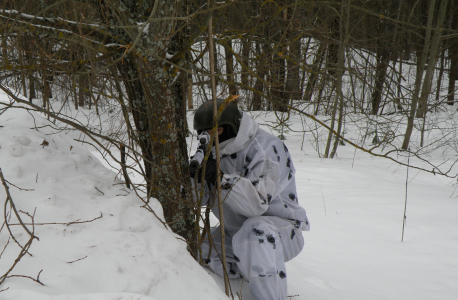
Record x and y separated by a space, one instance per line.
157 104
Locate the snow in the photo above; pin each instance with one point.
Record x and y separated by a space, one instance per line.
125 254
355 204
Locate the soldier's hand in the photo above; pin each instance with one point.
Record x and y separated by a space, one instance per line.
210 171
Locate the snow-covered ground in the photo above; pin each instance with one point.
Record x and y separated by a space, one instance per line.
125 254
355 204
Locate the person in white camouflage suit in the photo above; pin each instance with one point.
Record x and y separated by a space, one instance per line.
263 219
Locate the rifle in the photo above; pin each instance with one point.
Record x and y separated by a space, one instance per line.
198 157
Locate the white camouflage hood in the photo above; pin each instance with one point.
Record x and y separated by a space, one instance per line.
247 130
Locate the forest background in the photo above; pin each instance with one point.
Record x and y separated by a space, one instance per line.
387 67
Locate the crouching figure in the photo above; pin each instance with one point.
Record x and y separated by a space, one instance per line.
263 220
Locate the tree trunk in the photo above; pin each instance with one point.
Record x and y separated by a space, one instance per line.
433 56
81 87
320 94
256 103
441 75
158 119
380 76
293 82
244 60
74 93
277 87
340 70
453 56
316 66
32 94
158 111
46 94
22 63
189 90
29 60
452 77
331 126
230 68
419 77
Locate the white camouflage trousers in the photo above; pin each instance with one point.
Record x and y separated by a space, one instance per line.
258 252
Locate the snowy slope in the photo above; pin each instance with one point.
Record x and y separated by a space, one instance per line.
125 254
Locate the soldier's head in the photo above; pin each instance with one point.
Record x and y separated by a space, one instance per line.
228 124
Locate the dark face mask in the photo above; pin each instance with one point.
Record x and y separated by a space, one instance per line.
228 133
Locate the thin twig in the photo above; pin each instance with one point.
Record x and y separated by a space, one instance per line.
19 187
24 276
99 191
66 224
4 248
227 286
405 205
26 247
70 262
353 162
324 204
10 199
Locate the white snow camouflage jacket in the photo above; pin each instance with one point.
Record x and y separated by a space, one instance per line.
259 178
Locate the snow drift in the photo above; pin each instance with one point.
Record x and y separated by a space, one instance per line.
121 252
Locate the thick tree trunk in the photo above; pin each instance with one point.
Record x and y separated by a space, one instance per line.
158 110
158 119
